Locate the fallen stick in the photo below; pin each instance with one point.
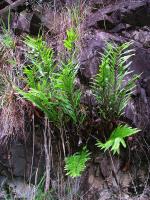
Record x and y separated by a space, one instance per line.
13 5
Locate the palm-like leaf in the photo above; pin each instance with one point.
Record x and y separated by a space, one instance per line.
117 138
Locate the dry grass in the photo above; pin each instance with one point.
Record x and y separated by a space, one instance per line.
13 109
58 21
12 119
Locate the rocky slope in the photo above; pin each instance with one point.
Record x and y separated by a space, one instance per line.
110 20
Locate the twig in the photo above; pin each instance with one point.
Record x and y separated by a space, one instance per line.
47 142
33 150
13 5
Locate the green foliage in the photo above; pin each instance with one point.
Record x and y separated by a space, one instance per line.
52 89
110 87
7 45
117 138
65 85
69 42
76 163
39 193
39 78
44 102
42 66
6 39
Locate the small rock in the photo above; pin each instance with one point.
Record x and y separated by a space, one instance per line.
21 23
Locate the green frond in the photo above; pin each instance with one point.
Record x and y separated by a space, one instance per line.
69 42
68 95
41 56
117 138
76 164
42 101
53 91
109 86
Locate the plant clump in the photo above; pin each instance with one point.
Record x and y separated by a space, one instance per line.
49 84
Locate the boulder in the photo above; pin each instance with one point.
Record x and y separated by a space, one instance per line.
93 45
136 13
21 23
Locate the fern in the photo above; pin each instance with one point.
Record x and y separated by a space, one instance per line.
76 164
52 90
65 85
113 92
42 63
67 77
40 78
69 42
110 87
44 102
117 138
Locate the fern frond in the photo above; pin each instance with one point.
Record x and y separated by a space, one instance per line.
75 164
68 95
52 91
109 86
117 138
42 101
69 42
42 61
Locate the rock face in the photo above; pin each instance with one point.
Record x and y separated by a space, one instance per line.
93 44
108 20
135 13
